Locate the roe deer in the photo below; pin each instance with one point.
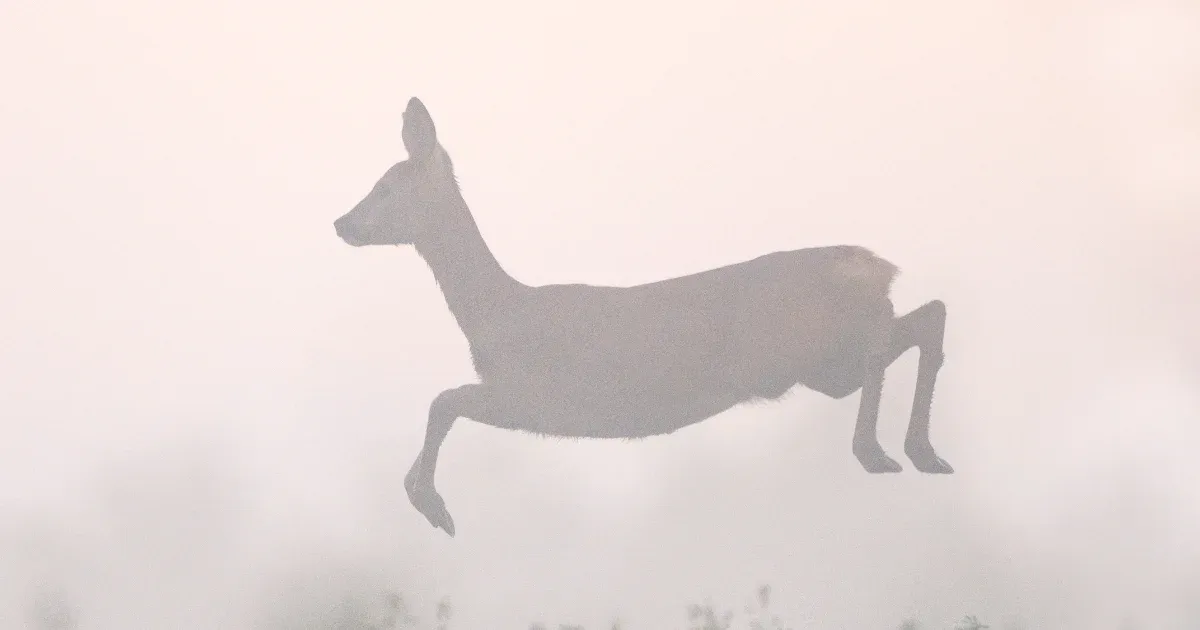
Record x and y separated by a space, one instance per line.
577 360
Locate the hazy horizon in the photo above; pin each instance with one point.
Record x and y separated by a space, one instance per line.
206 393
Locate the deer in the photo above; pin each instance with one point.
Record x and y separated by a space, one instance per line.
633 362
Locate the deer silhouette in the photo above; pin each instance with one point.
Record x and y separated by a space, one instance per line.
576 360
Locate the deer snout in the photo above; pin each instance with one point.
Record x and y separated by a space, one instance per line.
349 231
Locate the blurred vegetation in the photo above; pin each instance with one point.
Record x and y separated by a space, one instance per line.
706 616
390 611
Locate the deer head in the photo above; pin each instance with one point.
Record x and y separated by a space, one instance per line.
405 202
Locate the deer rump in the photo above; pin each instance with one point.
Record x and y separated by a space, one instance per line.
591 361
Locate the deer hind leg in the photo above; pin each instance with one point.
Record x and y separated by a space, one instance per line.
924 328
876 359
446 408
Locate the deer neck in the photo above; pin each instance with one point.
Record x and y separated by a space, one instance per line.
470 277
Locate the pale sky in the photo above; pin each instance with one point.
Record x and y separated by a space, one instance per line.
204 392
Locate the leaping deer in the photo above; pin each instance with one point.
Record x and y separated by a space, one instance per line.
575 360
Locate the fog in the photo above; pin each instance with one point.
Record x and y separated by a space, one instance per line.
206 396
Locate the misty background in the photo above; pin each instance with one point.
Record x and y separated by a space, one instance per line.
206 395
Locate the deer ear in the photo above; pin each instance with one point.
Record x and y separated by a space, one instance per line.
419 135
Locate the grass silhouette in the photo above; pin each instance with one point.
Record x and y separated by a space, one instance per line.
363 613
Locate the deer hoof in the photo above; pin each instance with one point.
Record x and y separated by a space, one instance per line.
430 504
874 460
926 460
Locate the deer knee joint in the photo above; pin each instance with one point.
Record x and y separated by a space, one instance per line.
932 358
443 403
937 310
935 318
454 403
933 328
443 411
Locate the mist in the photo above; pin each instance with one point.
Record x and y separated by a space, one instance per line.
206 396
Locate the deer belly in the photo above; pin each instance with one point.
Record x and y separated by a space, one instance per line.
628 413
839 373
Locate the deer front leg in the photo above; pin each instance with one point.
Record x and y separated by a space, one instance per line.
866 441
924 328
446 407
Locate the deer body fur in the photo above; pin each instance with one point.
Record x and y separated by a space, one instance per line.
630 362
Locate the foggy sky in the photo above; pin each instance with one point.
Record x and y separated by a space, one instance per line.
205 393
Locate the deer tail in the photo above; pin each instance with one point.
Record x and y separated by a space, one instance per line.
869 272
